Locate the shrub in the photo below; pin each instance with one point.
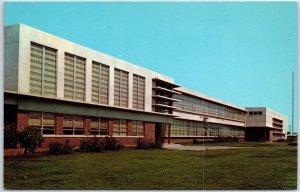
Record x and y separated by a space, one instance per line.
30 139
56 148
99 145
92 145
226 139
10 136
111 143
143 143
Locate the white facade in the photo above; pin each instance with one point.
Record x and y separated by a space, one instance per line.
18 39
265 119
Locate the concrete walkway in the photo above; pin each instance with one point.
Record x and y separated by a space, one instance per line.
198 147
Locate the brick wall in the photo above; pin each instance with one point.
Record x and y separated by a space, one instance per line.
150 131
22 120
59 124
87 125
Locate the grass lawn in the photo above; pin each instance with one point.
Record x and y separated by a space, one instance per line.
271 167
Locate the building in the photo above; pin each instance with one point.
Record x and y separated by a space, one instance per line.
264 124
68 91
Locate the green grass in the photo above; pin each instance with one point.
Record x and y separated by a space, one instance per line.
273 167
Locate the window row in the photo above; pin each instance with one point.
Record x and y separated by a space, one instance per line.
43 79
204 107
255 112
74 125
195 128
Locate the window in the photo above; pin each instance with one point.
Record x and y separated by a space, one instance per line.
250 113
74 83
138 96
42 70
121 88
99 126
73 125
100 83
137 128
42 121
120 127
197 128
201 106
259 112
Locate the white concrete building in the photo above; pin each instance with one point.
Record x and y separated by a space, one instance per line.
66 90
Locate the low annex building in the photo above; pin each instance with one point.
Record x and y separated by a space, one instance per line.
68 91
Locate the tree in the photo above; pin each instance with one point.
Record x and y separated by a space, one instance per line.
10 135
205 124
30 139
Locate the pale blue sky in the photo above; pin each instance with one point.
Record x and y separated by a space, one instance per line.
243 53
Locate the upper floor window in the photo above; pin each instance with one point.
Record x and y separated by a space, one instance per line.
138 96
74 82
43 70
100 83
121 88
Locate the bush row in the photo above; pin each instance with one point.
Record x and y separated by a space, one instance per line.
92 145
143 143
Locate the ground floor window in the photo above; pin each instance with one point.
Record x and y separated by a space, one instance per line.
197 128
99 126
137 128
42 121
120 127
73 125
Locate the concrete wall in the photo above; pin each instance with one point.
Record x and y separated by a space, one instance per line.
28 35
266 119
256 120
11 57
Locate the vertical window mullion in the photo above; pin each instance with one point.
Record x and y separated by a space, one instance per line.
74 77
99 84
138 79
120 89
42 126
43 69
99 125
73 124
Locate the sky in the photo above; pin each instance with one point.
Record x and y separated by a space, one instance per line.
242 53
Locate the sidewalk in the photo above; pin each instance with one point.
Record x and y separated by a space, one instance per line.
198 147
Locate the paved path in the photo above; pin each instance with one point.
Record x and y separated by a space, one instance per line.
198 147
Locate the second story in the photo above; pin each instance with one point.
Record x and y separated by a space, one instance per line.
265 117
196 106
40 64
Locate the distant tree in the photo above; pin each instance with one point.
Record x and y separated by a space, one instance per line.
205 125
30 139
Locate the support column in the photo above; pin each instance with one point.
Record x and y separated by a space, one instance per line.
59 124
129 128
169 134
150 131
110 127
88 80
87 126
22 120
60 73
